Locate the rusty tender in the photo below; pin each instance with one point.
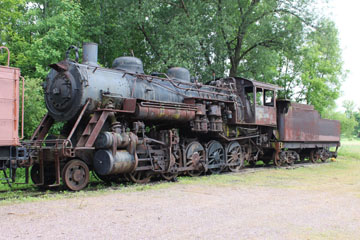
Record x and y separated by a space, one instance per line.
124 124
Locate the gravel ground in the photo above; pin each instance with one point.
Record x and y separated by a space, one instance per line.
192 211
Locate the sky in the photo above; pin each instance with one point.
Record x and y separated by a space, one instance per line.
346 15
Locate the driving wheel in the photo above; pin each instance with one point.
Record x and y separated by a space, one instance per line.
234 157
215 156
195 157
140 177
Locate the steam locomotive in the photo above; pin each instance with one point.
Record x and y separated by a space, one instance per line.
121 123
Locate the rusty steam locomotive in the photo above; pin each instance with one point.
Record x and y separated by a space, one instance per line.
122 123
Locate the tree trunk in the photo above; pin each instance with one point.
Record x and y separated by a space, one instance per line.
233 69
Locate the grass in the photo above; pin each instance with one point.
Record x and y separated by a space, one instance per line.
309 233
341 175
350 148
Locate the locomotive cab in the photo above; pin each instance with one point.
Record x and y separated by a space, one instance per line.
259 100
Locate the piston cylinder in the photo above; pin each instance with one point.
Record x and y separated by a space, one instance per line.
105 163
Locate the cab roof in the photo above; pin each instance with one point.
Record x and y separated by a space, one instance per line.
248 82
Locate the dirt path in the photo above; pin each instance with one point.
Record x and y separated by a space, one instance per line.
189 212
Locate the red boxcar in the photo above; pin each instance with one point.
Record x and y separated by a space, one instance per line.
9 106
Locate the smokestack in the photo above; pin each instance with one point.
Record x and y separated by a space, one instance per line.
90 54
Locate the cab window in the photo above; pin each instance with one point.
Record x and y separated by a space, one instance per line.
269 97
259 97
249 95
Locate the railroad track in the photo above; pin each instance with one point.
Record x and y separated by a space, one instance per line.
36 192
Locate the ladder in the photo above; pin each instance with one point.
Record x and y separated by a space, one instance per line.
43 128
92 129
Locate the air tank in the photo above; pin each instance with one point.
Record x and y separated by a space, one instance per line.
105 163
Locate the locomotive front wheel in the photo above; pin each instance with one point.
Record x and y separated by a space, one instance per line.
140 177
75 175
49 177
35 174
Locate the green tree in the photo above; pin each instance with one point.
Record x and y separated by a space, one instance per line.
57 27
322 73
109 23
357 118
349 108
285 42
34 105
280 41
38 33
351 112
11 15
347 124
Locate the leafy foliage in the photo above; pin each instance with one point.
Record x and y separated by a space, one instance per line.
351 113
34 105
357 127
347 124
350 119
38 33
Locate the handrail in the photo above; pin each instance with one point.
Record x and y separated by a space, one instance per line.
22 107
39 127
8 51
78 120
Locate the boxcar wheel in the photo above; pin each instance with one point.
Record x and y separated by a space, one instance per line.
75 175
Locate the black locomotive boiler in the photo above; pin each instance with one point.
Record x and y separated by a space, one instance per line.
122 123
